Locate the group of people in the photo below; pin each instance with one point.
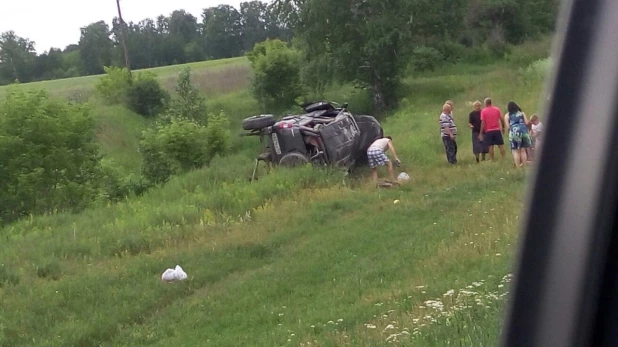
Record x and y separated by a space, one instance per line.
488 125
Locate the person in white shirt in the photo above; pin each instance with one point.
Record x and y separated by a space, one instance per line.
376 154
537 131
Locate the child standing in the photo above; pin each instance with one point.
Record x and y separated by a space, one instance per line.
537 132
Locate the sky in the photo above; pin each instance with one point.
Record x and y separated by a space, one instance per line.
57 23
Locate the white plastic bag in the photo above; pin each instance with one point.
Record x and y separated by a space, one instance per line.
403 177
171 275
180 274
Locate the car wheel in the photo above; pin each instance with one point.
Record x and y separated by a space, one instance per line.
293 159
258 122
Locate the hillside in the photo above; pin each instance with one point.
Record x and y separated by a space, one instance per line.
215 77
301 257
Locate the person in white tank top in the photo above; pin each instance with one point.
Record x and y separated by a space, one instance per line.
376 154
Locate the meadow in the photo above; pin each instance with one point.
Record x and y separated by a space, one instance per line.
214 77
302 257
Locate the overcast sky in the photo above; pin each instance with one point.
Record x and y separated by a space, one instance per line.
56 23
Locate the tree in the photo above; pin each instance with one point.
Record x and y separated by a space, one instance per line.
189 102
17 56
254 23
223 31
183 26
276 69
95 47
365 41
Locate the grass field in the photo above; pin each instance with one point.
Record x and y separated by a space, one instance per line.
213 76
301 257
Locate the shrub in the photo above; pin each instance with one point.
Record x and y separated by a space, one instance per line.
188 103
217 135
114 185
181 145
50 269
114 85
536 72
49 155
146 95
276 67
425 58
451 52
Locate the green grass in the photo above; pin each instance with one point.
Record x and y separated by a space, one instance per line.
300 257
81 88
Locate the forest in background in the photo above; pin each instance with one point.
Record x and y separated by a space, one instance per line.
431 29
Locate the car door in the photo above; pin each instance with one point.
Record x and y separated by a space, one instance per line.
340 138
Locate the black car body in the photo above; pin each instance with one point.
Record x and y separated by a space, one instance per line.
324 135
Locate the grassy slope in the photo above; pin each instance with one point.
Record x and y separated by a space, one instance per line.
317 261
70 87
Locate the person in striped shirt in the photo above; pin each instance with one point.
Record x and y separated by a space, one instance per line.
448 131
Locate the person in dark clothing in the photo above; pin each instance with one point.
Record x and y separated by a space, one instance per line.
474 122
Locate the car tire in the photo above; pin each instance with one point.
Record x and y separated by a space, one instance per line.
258 122
293 159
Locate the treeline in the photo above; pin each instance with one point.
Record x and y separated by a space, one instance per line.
221 32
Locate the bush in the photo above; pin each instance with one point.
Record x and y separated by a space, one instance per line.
181 145
114 85
189 102
536 72
425 59
49 155
451 52
114 185
217 135
50 269
276 67
143 94
146 96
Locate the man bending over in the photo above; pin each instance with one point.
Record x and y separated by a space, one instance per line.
376 153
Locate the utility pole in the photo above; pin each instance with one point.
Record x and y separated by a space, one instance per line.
122 38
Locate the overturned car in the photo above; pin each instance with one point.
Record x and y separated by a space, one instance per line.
323 135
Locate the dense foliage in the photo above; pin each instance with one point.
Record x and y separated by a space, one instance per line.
181 145
189 103
276 68
49 157
370 43
142 92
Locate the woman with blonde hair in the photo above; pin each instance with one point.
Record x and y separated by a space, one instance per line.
448 132
474 122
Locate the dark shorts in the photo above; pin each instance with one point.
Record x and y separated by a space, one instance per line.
493 138
478 146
